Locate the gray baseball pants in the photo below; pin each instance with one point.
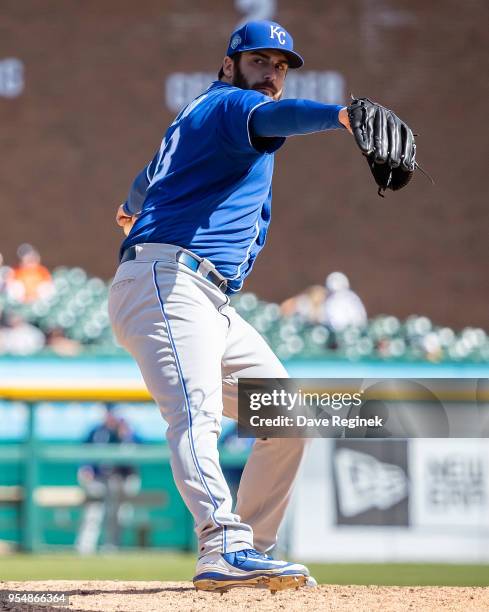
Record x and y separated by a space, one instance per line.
192 347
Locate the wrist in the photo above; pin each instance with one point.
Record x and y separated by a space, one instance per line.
343 118
125 208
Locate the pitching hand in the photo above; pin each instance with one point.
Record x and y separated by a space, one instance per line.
124 220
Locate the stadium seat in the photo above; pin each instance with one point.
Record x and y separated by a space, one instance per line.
79 307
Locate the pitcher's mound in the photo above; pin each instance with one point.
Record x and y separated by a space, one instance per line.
108 596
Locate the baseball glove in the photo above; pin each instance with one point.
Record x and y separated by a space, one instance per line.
386 141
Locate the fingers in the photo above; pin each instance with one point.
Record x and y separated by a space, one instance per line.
121 217
408 148
124 221
401 146
127 227
361 122
394 134
381 141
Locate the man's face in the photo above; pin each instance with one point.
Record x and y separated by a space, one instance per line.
111 421
263 71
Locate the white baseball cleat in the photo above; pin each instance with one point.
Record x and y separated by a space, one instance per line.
248 568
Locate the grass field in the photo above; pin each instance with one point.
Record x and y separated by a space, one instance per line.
169 567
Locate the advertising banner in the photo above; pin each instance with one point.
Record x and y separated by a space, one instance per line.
371 482
450 484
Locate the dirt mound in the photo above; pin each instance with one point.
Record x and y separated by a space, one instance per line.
108 596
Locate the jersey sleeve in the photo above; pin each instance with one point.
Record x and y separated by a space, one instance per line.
234 124
293 117
137 193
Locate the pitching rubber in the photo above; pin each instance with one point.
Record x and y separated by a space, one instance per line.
272 583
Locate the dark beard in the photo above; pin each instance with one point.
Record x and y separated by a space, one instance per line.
239 80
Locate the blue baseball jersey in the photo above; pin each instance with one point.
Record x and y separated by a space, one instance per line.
208 189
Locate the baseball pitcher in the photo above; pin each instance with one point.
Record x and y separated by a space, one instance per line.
196 219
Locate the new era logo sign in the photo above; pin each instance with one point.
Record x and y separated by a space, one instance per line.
364 482
276 32
371 481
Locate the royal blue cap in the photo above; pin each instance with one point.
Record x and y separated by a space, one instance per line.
256 35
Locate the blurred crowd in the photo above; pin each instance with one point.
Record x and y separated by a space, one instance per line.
27 282
65 312
333 304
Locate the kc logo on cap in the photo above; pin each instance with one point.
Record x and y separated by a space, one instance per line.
280 34
256 35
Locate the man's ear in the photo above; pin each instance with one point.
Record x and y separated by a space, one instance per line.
228 67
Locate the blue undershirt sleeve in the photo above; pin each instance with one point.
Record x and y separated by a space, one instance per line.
137 193
293 117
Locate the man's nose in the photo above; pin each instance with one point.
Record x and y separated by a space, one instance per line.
271 75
